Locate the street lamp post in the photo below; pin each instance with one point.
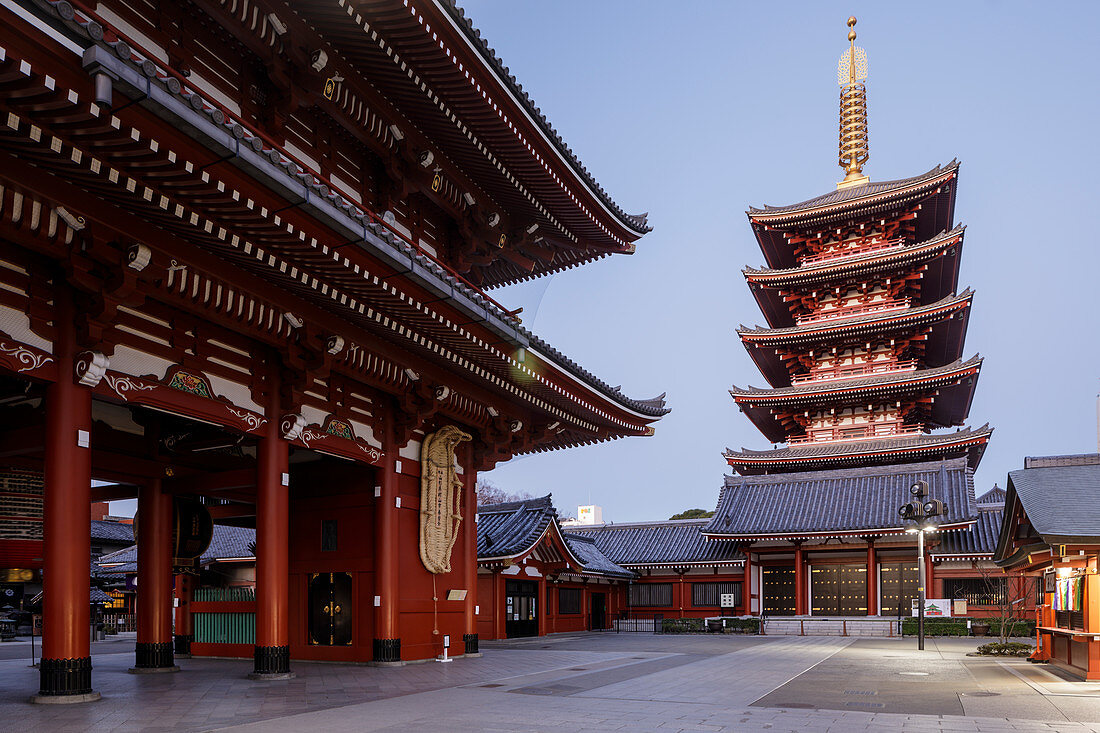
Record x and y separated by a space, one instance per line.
923 512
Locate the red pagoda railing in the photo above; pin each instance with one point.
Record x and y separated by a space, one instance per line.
855 252
849 371
861 432
892 305
164 71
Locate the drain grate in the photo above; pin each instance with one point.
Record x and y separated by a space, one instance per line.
863 704
492 684
578 669
981 694
861 692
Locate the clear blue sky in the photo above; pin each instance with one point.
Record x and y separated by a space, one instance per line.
693 111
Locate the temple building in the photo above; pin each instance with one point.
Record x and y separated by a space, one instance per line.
244 256
534 578
868 385
1050 531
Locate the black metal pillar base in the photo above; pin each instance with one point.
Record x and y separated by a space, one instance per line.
153 657
271 663
471 643
183 644
64 681
387 653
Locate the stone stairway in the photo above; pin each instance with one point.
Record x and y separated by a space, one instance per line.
830 626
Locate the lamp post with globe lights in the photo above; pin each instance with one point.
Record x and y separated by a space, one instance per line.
924 512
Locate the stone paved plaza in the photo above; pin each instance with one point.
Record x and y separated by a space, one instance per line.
583 682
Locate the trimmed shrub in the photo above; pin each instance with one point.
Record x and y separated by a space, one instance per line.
1010 649
957 627
682 625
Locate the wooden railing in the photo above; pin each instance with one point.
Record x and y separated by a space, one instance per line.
848 371
859 432
853 252
848 312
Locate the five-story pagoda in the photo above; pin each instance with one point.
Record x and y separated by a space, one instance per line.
864 344
863 352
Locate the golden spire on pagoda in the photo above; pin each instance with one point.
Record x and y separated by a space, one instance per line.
850 75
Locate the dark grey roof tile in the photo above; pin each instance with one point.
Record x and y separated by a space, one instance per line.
850 499
659 543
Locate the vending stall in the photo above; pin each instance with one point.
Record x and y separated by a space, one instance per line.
1052 527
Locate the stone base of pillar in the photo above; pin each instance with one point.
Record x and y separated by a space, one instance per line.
471 643
387 653
64 681
271 663
183 644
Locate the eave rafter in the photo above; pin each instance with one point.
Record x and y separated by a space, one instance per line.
169 173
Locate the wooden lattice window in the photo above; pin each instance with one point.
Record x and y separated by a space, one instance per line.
709 595
658 595
569 600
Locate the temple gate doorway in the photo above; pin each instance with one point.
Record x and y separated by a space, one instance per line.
839 590
330 609
778 590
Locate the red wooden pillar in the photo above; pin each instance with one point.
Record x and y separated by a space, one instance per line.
872 579
272 653
469 548
746 584
387 640
680 585
185 628
541 606
799 580
929 577
500 631
153 651
65 672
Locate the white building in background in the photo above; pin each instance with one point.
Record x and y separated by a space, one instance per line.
590 514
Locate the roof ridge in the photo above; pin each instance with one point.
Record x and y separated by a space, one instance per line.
637 222
855 193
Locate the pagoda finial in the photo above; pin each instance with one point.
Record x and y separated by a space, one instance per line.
854 148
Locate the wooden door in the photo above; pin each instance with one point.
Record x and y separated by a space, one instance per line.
778 590
521 608
330 609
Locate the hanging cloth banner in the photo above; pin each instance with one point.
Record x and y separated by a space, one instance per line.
1069 594
440 498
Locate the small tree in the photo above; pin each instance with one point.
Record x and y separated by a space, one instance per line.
1008 598
490 493
693 514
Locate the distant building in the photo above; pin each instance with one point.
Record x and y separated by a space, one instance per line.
587 515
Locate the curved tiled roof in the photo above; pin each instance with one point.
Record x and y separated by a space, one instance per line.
892 381
513 528
226 542
776 277
109 531
637 222
857 196
837 501
979 539
654 407
672 542
1059 501
993 497
855 323
594 560
822 453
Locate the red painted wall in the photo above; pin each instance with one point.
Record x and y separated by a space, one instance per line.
344 494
